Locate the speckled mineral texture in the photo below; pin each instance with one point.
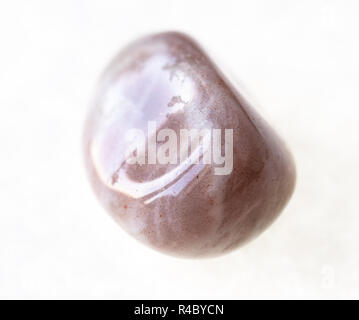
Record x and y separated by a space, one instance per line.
182 209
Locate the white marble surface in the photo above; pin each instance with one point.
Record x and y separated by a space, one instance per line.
297 62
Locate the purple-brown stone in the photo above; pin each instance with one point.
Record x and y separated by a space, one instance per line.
187 211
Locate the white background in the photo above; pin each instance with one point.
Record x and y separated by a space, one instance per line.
297 61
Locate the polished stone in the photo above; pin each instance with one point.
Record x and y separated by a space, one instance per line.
182 209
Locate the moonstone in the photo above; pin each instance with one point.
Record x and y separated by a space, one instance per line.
183 208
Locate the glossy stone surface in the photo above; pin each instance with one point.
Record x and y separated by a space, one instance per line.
183 209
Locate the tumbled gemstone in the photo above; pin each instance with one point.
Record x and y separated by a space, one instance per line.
190 200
